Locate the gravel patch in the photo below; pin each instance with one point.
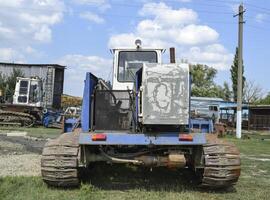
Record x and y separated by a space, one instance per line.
10 148
20 156
34 146
20 165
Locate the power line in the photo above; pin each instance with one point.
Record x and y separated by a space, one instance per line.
258 7
117 4
148 6
140 17
257 27
249 5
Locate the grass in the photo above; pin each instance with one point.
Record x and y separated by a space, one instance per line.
125 182
39 131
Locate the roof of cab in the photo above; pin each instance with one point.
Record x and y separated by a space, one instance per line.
139 49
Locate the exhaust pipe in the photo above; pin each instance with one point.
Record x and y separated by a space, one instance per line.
172 55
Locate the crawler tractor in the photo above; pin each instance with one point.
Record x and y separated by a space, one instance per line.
142 119
26 107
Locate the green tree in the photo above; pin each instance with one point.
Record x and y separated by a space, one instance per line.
234 75
203 82
2 87
227 92
2 82
264 101
11 82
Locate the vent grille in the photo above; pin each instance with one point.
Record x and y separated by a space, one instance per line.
112 110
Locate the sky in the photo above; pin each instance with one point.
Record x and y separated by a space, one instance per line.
79 34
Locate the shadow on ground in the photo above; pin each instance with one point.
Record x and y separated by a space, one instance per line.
124 177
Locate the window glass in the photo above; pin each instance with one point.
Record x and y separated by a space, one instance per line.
213 108
131 61
33 94
22 99
23 87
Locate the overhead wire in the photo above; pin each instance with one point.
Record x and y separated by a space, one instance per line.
118 4
147 6
140 17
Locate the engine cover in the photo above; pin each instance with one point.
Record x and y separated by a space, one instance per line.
165 94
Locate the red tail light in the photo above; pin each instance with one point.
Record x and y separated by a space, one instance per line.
186 137
99 137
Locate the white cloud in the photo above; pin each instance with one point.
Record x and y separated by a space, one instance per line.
260 17
92 17
6 33
122 40
235 8
195 35
91 2
30 50
165 27
33 19
25 23
9 54
214 55
78 65
44 34
101 4
168 26
166 16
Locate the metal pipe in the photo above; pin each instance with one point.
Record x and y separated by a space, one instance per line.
119 160
103 84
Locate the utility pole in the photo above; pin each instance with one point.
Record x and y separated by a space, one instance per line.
240 70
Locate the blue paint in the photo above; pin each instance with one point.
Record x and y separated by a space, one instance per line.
47 120
205 125
141 139
189 120
89 85
50 117
69 124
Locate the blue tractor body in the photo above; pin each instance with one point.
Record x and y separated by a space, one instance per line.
116 137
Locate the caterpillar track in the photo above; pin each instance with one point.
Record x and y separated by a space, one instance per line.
222 165
59 161
10 118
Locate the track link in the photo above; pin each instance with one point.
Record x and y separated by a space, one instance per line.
222 165
59 161
9 118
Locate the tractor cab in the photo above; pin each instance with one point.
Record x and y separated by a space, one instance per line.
28 91
127 61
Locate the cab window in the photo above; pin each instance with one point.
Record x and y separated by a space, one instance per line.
213 108
23 88
131 61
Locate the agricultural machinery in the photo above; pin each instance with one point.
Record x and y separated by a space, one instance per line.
27 105
142 119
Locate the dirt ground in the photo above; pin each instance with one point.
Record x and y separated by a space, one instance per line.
20 156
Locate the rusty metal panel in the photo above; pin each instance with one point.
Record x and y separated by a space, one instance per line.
165 94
